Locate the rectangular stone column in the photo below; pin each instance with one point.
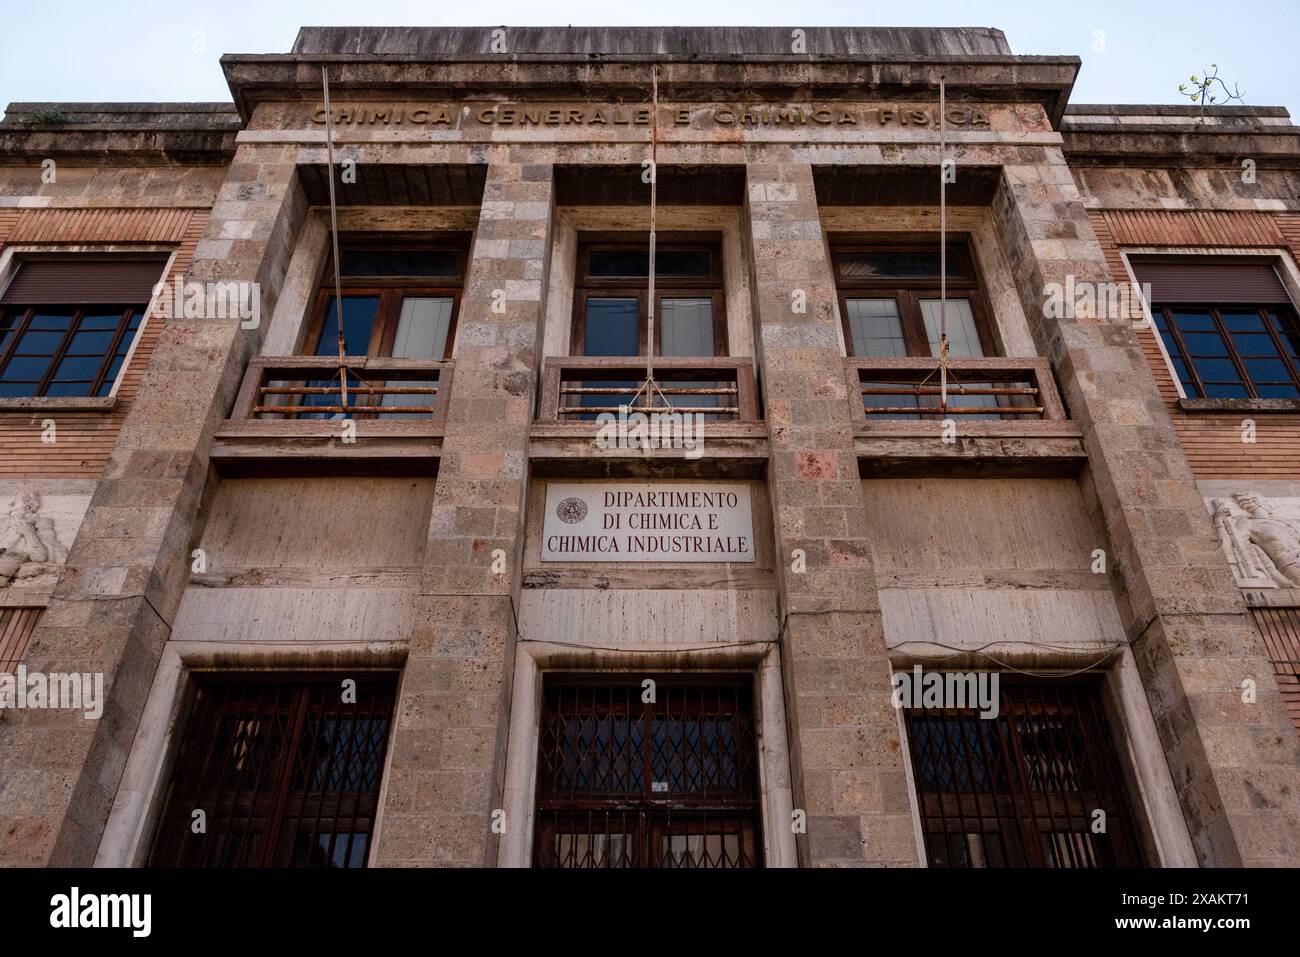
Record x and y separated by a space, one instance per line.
112 610
848 764
1235 763
448 752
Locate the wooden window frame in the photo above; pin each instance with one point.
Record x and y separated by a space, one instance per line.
587 287
1166 311
908 293
391 290
28 312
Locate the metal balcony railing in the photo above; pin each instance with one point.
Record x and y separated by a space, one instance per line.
577 388
908 389
305 388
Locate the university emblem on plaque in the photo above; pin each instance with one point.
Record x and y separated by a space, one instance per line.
571 511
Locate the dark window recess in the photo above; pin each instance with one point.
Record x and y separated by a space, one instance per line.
285 772
1022 789
669 783
635 263
390 263
66 327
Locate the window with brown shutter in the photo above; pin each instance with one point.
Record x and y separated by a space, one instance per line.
67 325
1229 328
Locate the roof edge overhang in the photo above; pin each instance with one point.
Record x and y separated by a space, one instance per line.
1174 136
126 133
1043 80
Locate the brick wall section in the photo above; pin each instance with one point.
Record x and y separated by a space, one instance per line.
128 566
85 439
448 750
1281 630
1236 766
1212 442
848 762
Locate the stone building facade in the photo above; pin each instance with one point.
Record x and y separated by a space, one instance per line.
498 629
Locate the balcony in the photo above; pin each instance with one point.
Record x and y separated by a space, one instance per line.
720 393
292 414
1003 415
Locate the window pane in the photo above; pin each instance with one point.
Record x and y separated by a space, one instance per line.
686 327
1254 344
635 263
422 328
610 327
1242 321
1286 327
8 327
1205 344
906 264
387 263
78 368
875 327
91 343
79 389
358 321
1218 390
1217 370
1267 370
1278 391
26 369
1194 321
963 337
103 321
38 343
52 320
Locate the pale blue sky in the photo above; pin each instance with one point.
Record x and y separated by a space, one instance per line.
99 50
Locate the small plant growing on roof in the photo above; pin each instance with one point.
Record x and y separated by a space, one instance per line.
46 116
1203 91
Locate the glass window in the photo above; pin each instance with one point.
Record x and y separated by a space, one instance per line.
1231 352
875 327
72 351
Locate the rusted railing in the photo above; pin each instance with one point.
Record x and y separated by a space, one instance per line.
988 388
303 388
578 387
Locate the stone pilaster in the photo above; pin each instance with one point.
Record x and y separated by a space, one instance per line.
112 611
448 751
1235 764
847 762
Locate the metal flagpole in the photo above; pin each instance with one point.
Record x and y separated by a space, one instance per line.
334 234
943 251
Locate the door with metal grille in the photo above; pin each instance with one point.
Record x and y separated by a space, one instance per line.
1022 789
286 771
624 781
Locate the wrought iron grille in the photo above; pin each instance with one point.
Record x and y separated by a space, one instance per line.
1022 789
625 782
285 771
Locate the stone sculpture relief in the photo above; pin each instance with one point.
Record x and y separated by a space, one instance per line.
30 550
1261 538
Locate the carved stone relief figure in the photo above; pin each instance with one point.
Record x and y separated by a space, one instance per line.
29 545
1261 540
